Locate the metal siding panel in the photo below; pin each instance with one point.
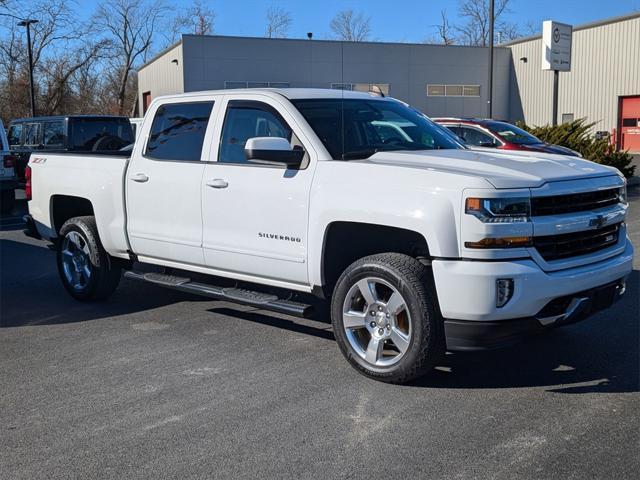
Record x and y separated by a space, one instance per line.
162 77
605 65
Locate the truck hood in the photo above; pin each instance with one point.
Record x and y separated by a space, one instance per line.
503 169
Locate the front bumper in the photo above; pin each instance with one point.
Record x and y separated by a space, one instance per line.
467 296
486 335
467 289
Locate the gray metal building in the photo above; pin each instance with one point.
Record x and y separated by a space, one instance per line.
440 80
603 85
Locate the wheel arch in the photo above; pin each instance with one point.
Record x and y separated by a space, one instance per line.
64 207
345 242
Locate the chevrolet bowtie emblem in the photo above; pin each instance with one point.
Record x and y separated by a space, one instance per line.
598 221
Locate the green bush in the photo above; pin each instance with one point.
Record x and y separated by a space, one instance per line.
577 136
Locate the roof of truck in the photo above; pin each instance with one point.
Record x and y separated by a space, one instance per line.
290 93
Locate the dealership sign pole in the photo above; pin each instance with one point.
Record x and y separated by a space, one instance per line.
491 28
556 55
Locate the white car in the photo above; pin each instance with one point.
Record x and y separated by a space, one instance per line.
420 244
8 180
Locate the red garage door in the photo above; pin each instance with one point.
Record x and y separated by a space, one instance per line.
629 123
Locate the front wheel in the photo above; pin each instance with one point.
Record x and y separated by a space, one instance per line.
86 269
386 319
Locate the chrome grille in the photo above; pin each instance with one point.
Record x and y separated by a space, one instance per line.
575 202
555 247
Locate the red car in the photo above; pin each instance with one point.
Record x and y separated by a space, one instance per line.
480 132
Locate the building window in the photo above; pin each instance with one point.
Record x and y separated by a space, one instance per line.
435 90
471 90
231 85
362 87
567 117
453 90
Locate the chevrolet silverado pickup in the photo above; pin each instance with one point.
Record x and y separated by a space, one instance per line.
420 244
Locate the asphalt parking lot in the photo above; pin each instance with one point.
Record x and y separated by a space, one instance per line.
158 384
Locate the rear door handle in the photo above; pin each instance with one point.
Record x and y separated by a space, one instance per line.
217 183
140 178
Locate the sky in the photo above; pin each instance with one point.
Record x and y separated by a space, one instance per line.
391 20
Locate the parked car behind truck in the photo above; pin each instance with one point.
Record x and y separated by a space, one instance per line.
8 182
420 244
71 133
488 133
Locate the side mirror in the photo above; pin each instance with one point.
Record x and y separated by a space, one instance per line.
487 145
273 151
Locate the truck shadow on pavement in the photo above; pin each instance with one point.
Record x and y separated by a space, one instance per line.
598 355
31 292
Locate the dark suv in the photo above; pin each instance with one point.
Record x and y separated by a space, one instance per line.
70 133
479 132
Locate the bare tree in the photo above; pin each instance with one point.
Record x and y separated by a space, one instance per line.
61 46
60 71
445 30
475 29
131 26
351 26
278 22
198 20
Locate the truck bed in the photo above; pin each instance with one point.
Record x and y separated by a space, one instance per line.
97 176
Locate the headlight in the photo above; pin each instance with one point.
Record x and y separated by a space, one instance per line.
499 210
622 194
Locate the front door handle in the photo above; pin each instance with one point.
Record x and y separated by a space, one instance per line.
217 183
140 178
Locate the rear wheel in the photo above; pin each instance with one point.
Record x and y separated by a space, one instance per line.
86 269
7 201
385 318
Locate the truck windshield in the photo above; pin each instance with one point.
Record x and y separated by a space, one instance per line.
353 129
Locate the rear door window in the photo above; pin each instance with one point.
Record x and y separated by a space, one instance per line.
53 134
15 135
32 134
177 131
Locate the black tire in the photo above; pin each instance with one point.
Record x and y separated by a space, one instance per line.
414 282
7 201
105 270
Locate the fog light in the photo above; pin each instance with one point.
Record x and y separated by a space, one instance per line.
504 291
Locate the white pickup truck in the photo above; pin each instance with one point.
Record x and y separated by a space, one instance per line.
420 244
